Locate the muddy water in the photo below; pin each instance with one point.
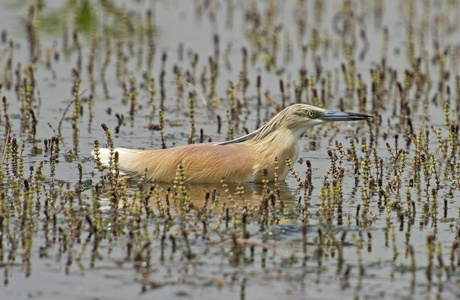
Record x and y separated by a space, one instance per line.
390 232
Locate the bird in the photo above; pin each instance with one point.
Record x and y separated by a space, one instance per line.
249 158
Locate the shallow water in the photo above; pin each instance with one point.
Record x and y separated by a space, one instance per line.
62 238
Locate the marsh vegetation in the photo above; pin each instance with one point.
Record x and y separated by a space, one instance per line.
370 209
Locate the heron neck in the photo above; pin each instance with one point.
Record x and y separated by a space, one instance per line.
278 145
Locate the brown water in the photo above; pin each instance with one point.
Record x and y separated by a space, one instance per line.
50 250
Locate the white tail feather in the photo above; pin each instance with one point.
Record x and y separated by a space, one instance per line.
104 155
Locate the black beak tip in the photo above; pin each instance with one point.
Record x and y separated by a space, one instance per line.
358 116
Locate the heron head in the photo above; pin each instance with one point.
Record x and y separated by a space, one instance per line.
296 118
300 116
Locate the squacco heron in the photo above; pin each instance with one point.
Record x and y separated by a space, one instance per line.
240 160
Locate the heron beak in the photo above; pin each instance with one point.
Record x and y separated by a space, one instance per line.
335 116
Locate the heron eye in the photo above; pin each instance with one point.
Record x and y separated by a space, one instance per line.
310 113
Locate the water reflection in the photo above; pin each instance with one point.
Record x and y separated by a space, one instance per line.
204 195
